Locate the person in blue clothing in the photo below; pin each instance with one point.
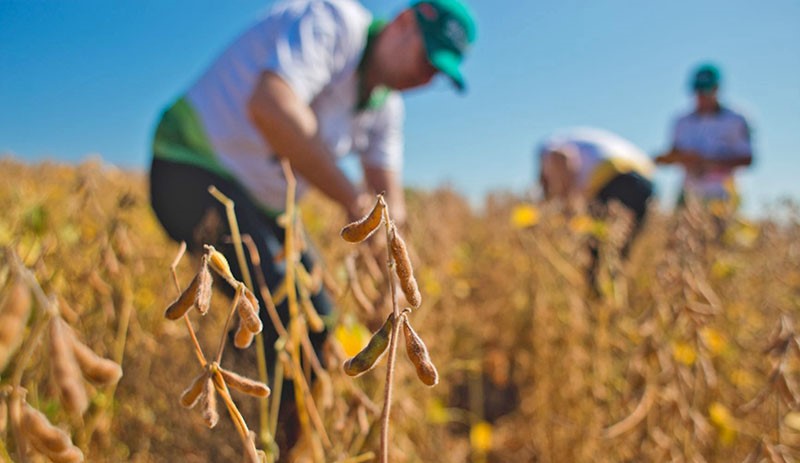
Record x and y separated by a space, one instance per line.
710 142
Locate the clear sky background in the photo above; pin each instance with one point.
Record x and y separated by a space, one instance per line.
91 76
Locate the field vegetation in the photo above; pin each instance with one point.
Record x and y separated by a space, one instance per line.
687 351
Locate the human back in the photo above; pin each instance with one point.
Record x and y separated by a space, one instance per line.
315 46
600 155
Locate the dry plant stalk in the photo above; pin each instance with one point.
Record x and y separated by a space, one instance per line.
212 380
386 337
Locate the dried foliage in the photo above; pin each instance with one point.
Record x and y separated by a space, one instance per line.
687 352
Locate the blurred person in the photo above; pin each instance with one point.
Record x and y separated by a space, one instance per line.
709 142
311 81
596 167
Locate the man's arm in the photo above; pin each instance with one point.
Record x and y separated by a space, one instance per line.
740 155
291 128
558 172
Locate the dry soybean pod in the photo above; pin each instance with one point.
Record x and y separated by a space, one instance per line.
243 337
95 368
405 273
202 299
185 301
65 368
37 426
192 393
14 312
248 312
361 229
369 356
219 263
49 440
243 384
208 400
418 354
70 454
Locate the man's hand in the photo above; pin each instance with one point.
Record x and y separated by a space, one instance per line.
691 160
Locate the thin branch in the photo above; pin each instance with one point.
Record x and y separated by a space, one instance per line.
390 363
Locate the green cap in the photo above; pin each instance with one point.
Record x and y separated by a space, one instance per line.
448 29
706 77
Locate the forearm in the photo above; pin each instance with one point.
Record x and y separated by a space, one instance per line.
290 127
697 161
730 161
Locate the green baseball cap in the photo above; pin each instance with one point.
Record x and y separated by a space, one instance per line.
448 29
706 77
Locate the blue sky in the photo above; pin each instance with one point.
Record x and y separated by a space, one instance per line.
83 76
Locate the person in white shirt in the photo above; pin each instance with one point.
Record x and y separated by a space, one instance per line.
311 81
596 167
710 142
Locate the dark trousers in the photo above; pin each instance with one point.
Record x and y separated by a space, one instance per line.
180 198
634 192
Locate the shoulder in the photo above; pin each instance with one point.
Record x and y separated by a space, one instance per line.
684 117
734 115
347 18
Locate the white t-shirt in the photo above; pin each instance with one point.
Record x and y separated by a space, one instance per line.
722 135
315 46
596 148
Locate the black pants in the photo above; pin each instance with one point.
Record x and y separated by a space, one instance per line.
180 198
634 192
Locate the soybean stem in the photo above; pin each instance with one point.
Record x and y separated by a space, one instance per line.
387 399
197 349
236 237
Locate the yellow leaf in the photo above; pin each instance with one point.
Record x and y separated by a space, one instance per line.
353 336
461 288
720 415
436 412
581 224
792 420
742 378
715 341
480 436
431 286
724 421
721 269
524 215
684 353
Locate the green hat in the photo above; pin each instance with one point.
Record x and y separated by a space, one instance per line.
448 29
706 77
